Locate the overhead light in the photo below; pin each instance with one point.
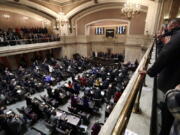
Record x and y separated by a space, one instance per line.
62 20
6 16
166 17
47 22
25 18
39 19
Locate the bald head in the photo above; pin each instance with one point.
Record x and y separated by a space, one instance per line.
177 87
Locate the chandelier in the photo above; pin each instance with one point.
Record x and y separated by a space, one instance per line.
131 8
62 20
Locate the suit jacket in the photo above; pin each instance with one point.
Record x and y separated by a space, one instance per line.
167 65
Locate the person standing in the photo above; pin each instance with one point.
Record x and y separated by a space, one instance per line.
167 64
167 67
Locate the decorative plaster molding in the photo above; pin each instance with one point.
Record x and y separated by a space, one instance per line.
35 6
91 4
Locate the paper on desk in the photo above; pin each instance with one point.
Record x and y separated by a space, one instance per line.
128 132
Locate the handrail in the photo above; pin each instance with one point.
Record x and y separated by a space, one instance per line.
153 124
33 40
117 121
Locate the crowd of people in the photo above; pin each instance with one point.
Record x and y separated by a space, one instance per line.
104 55
16 36
86 93
16 83
167 70
101 84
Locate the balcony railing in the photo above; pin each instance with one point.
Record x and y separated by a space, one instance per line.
119 117
27 41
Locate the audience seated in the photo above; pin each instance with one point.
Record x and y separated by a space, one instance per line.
41 75
104 55
12 123
96 86
16 36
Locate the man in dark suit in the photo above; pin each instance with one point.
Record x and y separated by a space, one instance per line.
167 64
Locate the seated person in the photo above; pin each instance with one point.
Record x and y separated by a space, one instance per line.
47 112
14 124
49 92
56 94
87 91
94 71
97 83
109 108
76 87
48 79
53 118
70 85
111 89
2 110
117 95
85 101
105 84
97 93
74 101
82 80
78 78
2 99
28 100
96 128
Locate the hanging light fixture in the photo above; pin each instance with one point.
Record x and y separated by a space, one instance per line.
131 8
62 19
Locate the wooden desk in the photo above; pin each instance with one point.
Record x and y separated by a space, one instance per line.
71 119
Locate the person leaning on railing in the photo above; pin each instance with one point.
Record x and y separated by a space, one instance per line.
160 40
172 101
167 67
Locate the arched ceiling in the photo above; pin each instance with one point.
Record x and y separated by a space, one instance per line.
23 11
53 7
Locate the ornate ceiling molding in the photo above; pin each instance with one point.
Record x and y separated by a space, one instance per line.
62 2
89 4
31 5
97 9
